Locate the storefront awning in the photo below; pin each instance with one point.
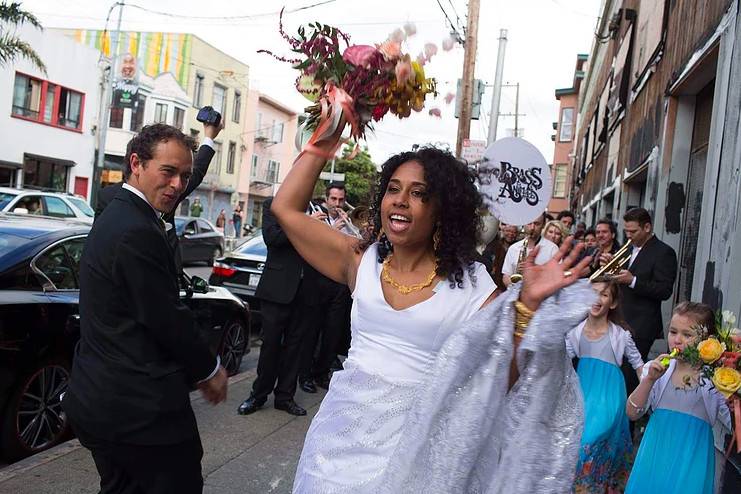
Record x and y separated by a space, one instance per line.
58 161
10 164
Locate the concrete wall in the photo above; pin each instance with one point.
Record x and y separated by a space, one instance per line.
69 65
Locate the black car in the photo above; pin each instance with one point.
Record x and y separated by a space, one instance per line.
40 326
200 240
240 271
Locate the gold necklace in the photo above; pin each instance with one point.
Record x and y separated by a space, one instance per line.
405 289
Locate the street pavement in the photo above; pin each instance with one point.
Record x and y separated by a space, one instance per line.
242 454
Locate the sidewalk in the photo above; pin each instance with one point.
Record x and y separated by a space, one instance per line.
254 453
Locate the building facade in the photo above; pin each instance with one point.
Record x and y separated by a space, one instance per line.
270 133
49 120
207 76
659 127
565 129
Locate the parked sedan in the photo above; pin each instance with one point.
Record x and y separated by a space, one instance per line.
199 239
54 204
240 271
40 326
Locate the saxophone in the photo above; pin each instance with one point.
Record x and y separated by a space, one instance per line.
517 276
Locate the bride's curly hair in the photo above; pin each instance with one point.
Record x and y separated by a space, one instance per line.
450 184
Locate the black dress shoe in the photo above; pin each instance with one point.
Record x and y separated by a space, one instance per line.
291 407
323 382
307 385
250 405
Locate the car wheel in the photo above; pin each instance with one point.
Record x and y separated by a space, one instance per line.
233 346
216 254
34 419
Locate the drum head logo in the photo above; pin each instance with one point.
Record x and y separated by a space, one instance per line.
515 181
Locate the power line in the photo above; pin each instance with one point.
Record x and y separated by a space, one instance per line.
457 19
452 26
253 16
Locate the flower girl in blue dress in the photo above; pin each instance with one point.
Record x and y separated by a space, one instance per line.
601 343
676 452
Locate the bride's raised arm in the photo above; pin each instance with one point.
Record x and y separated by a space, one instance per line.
329 251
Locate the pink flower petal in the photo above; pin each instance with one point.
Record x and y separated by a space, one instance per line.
430 50
359 55
410 29
449 98
398 36
421 59
435 112
448 43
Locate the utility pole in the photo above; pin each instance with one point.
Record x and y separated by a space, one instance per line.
497 93
517 113
105 109
469 64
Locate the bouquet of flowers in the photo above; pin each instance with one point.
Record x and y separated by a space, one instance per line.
361 83
719 358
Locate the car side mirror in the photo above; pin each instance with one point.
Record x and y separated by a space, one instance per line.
199 285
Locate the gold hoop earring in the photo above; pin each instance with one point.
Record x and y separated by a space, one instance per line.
436 239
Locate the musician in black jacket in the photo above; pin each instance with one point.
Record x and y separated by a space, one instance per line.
140 353
289 298
200 168
647 281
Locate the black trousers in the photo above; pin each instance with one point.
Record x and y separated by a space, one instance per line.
284 328
333 321
140 469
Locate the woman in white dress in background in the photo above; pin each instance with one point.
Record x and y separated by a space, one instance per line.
424 399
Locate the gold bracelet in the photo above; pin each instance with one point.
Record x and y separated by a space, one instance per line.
523 315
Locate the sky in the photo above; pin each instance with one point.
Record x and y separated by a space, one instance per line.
544 37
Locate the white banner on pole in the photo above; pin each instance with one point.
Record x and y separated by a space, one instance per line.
515 181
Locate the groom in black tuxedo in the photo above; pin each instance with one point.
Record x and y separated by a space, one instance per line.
140 353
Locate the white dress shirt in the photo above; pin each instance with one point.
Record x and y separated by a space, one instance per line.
547 250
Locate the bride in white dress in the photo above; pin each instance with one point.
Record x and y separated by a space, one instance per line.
439 393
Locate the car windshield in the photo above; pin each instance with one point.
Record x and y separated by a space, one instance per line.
254 246
82 206
5 198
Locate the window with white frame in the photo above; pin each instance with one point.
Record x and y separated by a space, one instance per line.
231 155
559 181
277 132
272 172
253 168
160 113
219 98
236 106
216 163
566 128
178 118
198 90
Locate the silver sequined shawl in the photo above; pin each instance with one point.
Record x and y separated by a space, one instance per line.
467 434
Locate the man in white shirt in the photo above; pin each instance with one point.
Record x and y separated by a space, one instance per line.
547 249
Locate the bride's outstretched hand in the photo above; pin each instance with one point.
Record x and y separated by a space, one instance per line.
540 282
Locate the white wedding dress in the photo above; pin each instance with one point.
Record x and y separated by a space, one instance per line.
422 402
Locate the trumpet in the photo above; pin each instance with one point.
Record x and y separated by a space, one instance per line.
612 268
517 275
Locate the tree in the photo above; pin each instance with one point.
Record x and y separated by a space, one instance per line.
360 175
11 46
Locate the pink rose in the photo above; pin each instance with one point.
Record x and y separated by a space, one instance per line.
430 50
435 112
449 98
359 55
403 70
448 43
390 49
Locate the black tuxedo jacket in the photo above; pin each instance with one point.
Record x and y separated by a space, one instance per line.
284 267
139 352
200 167
655 269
